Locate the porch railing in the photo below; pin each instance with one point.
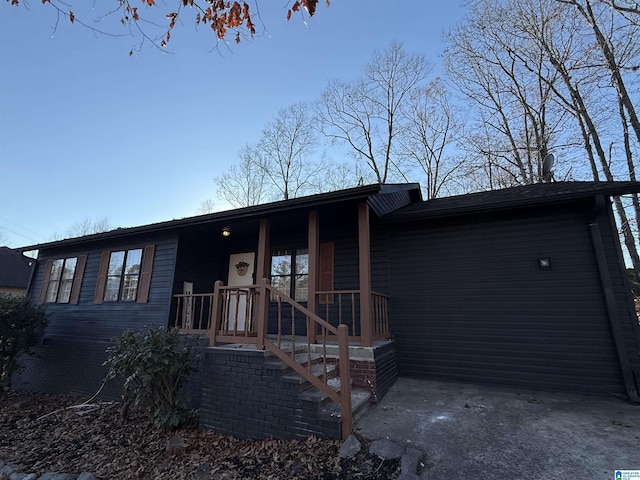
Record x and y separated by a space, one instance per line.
241 315
193 313
342 307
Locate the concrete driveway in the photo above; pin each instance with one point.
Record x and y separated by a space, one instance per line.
486 432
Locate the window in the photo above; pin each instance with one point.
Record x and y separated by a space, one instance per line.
62 280
290 273
123 275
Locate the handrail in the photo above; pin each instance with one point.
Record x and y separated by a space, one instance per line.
222 323
313 321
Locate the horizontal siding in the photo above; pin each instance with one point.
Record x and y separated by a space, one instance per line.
103 322
468 303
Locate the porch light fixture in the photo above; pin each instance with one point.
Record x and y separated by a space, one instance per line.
226 231
543 263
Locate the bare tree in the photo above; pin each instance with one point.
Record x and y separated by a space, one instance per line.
244 184
206 206
509 82
284 152
366 114
428 139
86 226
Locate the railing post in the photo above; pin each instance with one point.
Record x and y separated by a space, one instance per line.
216 314
345 380
263 308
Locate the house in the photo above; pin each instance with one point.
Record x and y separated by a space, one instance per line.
523 287
15 271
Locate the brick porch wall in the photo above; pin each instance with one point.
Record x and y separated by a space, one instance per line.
244 395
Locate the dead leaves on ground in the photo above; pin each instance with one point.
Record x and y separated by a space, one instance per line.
38 434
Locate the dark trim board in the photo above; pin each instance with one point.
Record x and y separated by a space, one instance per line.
469 302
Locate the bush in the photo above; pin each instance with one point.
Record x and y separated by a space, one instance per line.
153 370
22 327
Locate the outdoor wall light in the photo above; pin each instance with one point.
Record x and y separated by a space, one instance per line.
543 263
226 231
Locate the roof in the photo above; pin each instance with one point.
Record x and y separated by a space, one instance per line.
15 268
510 198
257 211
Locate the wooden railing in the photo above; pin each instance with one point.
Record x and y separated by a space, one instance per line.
342 307
193 313
239 314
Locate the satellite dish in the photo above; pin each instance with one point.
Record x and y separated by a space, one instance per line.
547 167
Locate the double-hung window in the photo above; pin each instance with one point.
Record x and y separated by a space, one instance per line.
123 275
61 280
290 272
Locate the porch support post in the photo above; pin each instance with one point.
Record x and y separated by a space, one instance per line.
262 266
314 255
262 275
364 255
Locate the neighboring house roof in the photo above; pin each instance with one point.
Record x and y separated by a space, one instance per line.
15 268
371 193
509 198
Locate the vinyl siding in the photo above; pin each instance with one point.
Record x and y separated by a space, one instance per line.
469 303
87 321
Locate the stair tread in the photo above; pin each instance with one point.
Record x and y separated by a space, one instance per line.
316 369
301 358
359 403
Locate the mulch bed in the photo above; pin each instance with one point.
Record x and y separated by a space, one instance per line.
39 434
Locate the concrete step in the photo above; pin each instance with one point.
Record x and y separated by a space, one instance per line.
317 369
301 357
317 397
360 401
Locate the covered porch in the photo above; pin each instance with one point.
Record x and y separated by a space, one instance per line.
291 303
247 308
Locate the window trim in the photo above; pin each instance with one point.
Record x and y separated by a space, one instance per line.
76 282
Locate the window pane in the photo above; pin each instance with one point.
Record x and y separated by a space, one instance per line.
282 284
112 289
129 288
69 268
65 291
52 291
56 269
302 288
281 264
116 261
302 261
133 261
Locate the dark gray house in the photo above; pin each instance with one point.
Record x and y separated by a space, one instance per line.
523 286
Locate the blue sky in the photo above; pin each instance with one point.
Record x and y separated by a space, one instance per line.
86 131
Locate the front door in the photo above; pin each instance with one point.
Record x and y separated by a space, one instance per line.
241 268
